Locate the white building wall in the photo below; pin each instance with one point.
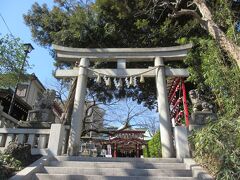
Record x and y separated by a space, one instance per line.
34 90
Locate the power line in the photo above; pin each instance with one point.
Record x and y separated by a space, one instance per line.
6 25
15 40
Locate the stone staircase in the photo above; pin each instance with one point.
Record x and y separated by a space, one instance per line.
86 168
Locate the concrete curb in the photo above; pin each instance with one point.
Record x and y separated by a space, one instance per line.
197 171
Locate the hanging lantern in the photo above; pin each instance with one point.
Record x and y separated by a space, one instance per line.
105 79
108 83
142 79
135 81
127 83
98 79
115 82
120 83
131 81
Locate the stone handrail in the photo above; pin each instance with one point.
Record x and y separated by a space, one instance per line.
6 120
43 141
37 138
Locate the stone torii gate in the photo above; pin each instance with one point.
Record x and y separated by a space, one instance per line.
121 56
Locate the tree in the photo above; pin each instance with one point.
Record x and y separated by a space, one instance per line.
125 114
199 10
69 25
153 148
139 23
105 23
62 89
11 58
150 123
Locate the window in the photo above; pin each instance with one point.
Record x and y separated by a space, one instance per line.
22 90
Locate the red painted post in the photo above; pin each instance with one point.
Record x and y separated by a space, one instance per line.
178 115
174 94
138 150
115 150
185 106
176 104
171 87
174 89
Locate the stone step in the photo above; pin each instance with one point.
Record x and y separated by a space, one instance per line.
104 159
40 176
117 172
126 165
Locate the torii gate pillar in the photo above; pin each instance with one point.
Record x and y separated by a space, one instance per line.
163 109
78 109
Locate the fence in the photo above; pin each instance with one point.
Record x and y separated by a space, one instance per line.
37 138
43 141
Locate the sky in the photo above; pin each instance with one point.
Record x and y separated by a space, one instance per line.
12 11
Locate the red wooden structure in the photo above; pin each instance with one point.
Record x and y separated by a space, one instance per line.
128 141
177 98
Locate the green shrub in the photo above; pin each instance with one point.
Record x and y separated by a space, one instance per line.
8 165
10 161
217 147
154 147
15 158
20 152
217 77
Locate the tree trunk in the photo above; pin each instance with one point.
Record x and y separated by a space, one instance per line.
230 47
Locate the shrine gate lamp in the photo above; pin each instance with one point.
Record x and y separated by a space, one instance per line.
27 47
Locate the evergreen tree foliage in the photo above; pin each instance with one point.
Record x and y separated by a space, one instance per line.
106 23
